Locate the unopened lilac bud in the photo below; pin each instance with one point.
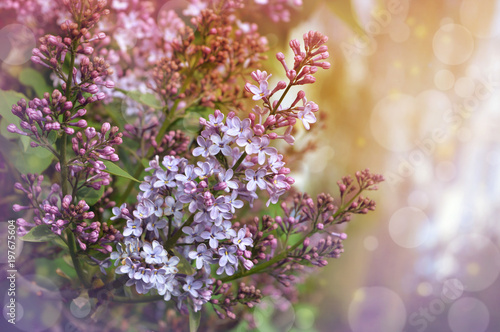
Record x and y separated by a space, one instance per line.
90 132
88 50
320 226
105 127
259 129
67 106
306 242
280 56
109 84
100 96
114 157
12 128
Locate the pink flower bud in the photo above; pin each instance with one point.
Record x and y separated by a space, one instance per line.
105 127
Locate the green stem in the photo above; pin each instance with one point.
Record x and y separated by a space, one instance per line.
64 138
74 258
173 239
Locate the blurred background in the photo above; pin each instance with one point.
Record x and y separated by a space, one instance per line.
413 94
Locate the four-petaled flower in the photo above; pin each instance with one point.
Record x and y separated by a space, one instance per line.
155 254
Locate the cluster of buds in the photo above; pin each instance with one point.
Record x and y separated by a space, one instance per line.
227 46
97 235
41 116
223 298
55 211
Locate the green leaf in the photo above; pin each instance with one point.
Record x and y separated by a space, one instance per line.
90 195
40 233
114 169
32 78
7 99
31 160
194 320
184 266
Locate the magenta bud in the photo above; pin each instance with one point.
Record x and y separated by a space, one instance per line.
306 242
320 226
90 132
105 127
280 56
67 106
114 157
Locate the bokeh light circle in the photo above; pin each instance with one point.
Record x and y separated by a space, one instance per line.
80 307
397 111
17 42
320 159
376 309
409 227
476 261
468 314
453 44
276 312
444 79
370 242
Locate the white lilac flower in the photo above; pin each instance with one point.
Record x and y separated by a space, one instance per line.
128 268
165 179
188 175
226 176
214 236
154 225
249 141
306 116
241 240
154 254
117 211
203 257
237 127
202 149
143 274
204 170
147 188
220 145
227 229
275 163
144 209
134 227
227 255
234 202
169 288
265 149
171 264
173 208
255 179
228 268
171 163
219 206
260 91
192 286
